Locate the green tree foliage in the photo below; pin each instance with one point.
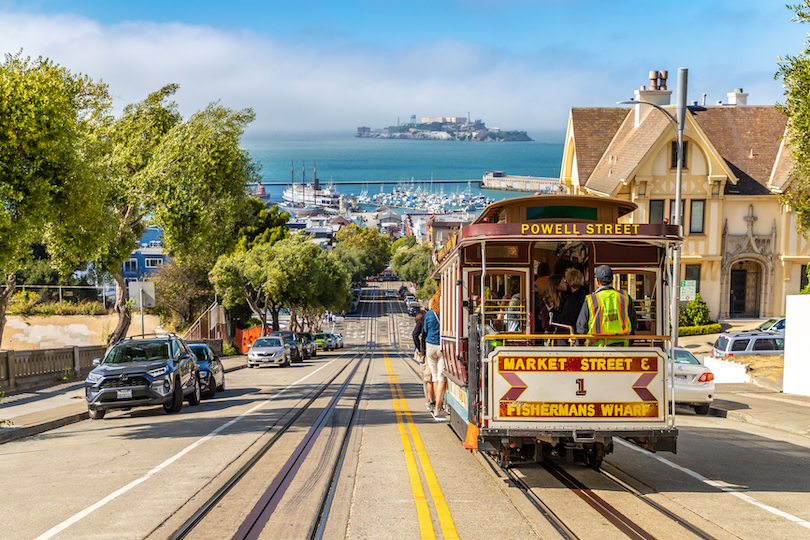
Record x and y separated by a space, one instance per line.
188 177
305 279
412 263
353 260
49 126
795 73
261 225
405 242
696 313
376 245
182 292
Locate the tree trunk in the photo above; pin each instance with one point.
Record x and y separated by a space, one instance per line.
122 309
274 311
5 295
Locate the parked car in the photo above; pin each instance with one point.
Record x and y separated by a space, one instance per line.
311 340
324 342
136 372
296 355
694 382
403 290
269 351
409 298
390 293
338 339
771 325
413 309
212 374
307 344
748 343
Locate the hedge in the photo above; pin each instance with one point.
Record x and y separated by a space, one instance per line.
699 330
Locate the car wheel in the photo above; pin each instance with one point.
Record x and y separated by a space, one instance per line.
196 395
95 414
221 387
176 403
702 409
212 387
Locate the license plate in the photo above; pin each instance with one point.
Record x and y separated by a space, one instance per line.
680 377
125 394
265 360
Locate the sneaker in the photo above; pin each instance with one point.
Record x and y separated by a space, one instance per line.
429 406
440 416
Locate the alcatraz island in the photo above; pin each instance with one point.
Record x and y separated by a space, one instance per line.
453 128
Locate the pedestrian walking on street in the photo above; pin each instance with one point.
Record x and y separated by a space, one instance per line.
419 356
431 328
607 311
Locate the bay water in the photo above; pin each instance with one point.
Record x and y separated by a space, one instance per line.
359 164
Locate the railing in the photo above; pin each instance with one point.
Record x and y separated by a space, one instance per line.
21 370
209 325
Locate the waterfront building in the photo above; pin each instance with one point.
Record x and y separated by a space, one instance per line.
741 244
534 184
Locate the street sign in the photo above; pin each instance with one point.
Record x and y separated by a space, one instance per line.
688 290
148 288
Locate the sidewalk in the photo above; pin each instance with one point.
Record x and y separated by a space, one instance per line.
30 413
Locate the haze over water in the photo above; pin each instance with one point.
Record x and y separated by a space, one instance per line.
342 157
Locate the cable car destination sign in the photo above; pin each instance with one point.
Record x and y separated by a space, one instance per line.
604 384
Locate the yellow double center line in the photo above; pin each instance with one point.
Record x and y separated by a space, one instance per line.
412 453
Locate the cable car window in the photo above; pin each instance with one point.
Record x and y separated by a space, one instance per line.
561 212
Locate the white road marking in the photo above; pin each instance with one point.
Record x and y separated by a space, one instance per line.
90 509
712 483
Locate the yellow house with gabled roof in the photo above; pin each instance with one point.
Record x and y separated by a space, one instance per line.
741 246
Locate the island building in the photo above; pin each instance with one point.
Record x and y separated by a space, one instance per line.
741 246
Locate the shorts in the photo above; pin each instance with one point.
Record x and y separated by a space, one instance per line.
436 362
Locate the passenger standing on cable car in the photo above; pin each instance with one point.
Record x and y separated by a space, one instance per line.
419 344
572 305
433 350
551 304
607 311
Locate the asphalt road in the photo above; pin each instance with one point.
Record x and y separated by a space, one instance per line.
142 473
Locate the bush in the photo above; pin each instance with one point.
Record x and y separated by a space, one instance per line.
698 312
26 304
713 328
229 349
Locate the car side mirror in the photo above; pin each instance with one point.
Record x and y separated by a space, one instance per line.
184 356
96 361
250 346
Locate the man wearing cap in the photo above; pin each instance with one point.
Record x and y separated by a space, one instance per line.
607 311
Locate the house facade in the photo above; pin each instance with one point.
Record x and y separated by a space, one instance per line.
741 246
147 258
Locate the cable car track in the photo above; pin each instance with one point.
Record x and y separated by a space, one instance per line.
253 524
619 520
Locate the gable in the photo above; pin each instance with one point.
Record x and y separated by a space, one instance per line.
593 129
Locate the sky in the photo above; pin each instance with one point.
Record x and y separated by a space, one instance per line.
335 65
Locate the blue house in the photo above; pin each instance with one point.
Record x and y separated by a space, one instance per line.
145 260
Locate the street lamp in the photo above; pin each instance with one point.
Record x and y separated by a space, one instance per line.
680 109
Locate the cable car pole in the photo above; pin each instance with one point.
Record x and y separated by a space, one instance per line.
680 112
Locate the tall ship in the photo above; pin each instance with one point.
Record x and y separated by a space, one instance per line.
302 195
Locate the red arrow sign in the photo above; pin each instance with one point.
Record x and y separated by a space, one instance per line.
518 386
640 387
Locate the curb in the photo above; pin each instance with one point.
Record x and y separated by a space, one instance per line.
745 418
12 434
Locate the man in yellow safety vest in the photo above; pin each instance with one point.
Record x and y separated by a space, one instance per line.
607 311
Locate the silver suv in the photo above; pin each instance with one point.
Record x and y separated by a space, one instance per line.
748 343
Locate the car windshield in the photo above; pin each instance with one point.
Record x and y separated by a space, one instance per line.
199 352
142 351
267 342
685 357
767 324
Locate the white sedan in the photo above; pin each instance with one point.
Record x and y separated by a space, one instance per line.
694 382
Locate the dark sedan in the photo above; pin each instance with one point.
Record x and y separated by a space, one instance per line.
212 374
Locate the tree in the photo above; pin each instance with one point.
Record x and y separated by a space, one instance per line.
49 125
353 260
795 72
412 263
405 242
303 278
182 291
187 177
262 225
376 245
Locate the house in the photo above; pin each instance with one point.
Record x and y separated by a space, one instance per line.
741 247
147 258
441 227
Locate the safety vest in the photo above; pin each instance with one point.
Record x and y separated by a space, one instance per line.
607 311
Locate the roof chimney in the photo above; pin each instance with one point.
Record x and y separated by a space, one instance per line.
657 94
737 97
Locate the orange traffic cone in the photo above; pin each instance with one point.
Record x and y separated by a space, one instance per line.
471 442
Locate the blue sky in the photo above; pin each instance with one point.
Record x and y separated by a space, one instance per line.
313 65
